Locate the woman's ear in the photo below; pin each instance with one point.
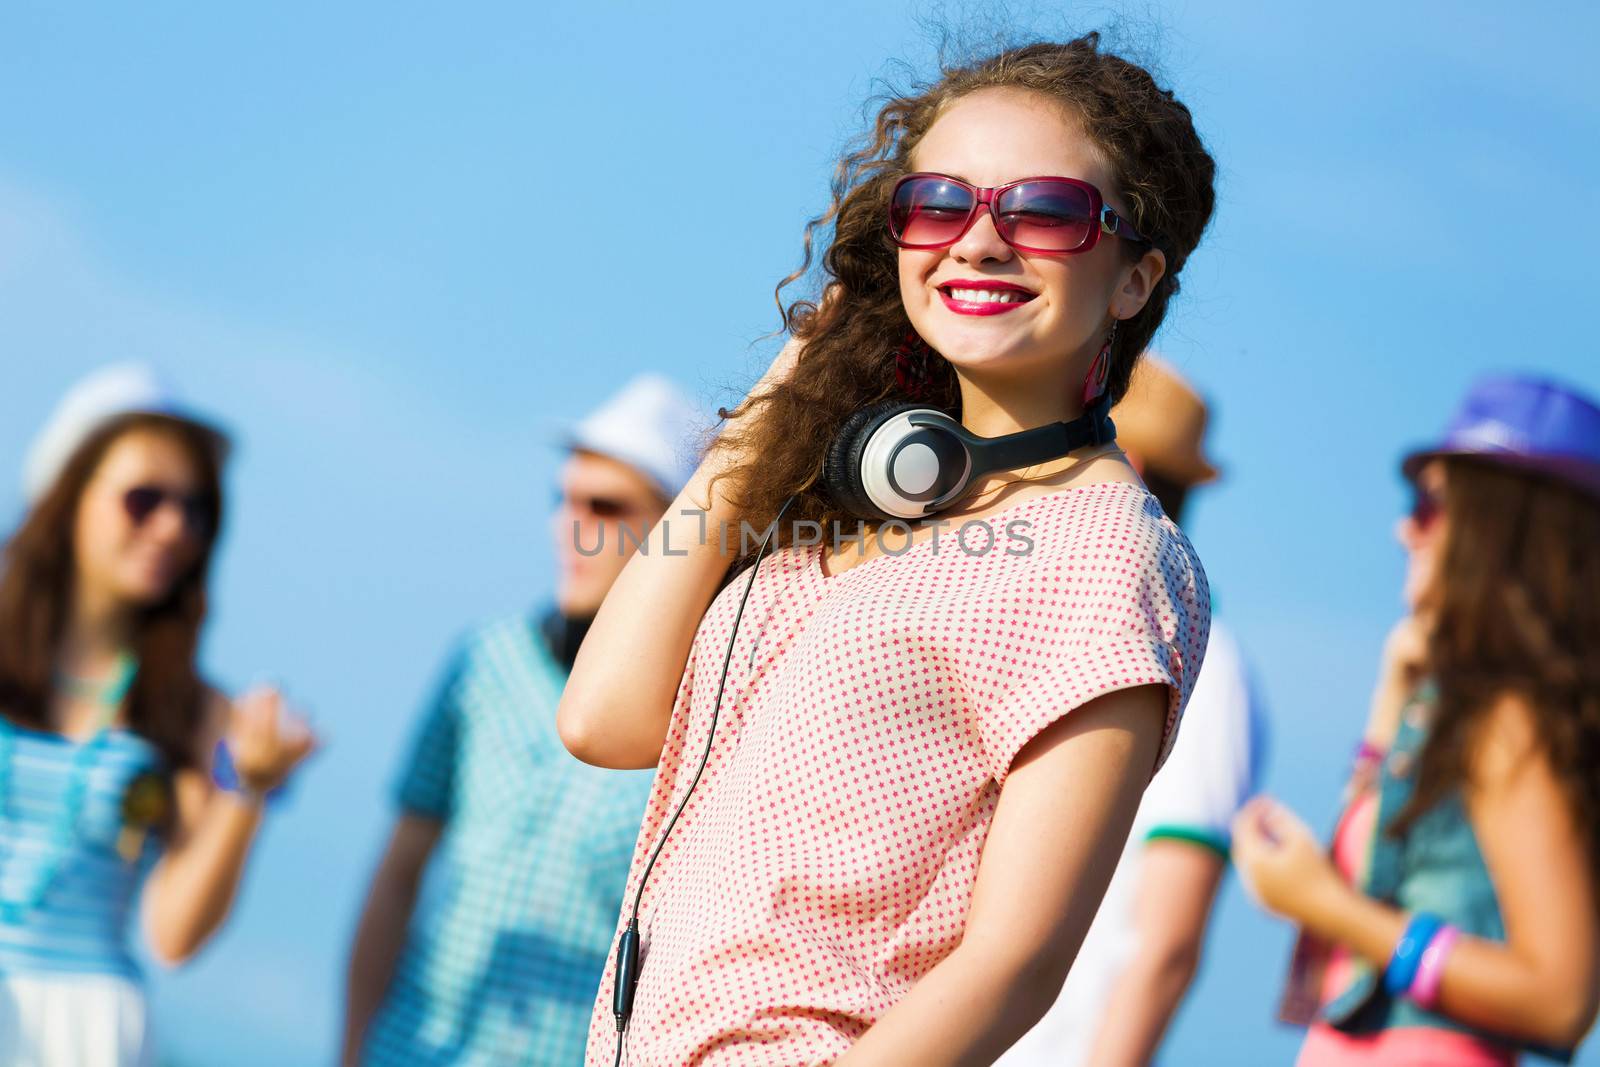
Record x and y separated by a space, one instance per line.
1138 282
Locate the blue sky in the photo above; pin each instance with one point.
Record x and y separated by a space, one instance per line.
372 239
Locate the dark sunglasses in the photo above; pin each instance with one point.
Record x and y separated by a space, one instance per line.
601 507
143 501
1426 506
1052 216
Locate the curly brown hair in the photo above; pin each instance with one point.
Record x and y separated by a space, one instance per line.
1518 612
1162 171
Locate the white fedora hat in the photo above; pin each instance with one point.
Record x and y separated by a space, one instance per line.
105 394
649 424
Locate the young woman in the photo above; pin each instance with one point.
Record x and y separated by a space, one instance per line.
930 746
106 731
1456 920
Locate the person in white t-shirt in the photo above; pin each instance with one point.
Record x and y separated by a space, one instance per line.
1143 949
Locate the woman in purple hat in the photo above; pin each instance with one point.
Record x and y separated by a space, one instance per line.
1456 920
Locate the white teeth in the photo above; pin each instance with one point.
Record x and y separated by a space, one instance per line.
986 296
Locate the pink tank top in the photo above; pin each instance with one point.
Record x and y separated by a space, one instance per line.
1408 1046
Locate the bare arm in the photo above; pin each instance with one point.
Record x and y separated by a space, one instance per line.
193 887
191 890
1177 884
1044 868
382 929
1543 982
618 718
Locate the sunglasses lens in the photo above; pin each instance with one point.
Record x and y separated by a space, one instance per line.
1424 508
141 502
601 507
929 212
1049 216
198 515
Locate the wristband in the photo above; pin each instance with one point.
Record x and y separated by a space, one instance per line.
247 795
226 777
1367 752
1402 969
1424 990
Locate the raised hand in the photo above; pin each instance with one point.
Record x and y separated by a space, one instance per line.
266 739
1279 859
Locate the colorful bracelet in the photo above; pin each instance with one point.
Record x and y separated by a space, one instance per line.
247 794
226 778
1402 969
1424 990
1367 752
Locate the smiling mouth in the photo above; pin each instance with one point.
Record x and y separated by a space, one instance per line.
985 296
989 300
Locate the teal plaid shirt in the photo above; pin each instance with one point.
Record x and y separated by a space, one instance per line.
520 900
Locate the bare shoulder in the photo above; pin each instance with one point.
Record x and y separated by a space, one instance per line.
1507 742
1521 805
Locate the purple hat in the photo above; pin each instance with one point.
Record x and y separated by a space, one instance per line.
1529 423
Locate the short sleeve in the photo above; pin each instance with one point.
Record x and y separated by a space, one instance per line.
427 777
1214 763
1123 606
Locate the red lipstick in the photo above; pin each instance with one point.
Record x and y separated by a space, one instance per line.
974 296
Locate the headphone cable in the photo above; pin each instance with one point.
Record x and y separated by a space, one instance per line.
627 970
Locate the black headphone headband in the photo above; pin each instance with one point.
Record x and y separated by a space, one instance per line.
1050 441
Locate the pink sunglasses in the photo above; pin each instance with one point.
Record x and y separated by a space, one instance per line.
1052 216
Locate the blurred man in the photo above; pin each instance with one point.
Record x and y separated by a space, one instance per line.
525 849
1143 949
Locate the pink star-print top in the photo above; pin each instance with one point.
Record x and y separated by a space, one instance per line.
827 859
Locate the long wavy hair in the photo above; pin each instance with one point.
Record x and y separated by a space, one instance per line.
1161 168
37 573
1518 612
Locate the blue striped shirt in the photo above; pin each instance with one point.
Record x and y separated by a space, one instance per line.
520 900
80 924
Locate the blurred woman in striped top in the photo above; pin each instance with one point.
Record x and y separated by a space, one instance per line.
107 733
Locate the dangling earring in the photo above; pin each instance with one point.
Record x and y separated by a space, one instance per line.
912 372
1094 386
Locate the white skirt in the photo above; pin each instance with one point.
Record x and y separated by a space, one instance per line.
73 1020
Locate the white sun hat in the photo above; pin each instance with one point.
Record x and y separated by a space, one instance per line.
103 395
649 424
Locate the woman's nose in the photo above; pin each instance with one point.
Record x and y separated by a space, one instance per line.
166 524
981 243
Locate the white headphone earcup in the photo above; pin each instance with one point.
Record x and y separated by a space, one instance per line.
912 461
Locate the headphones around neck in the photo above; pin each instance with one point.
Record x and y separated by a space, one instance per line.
899 460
